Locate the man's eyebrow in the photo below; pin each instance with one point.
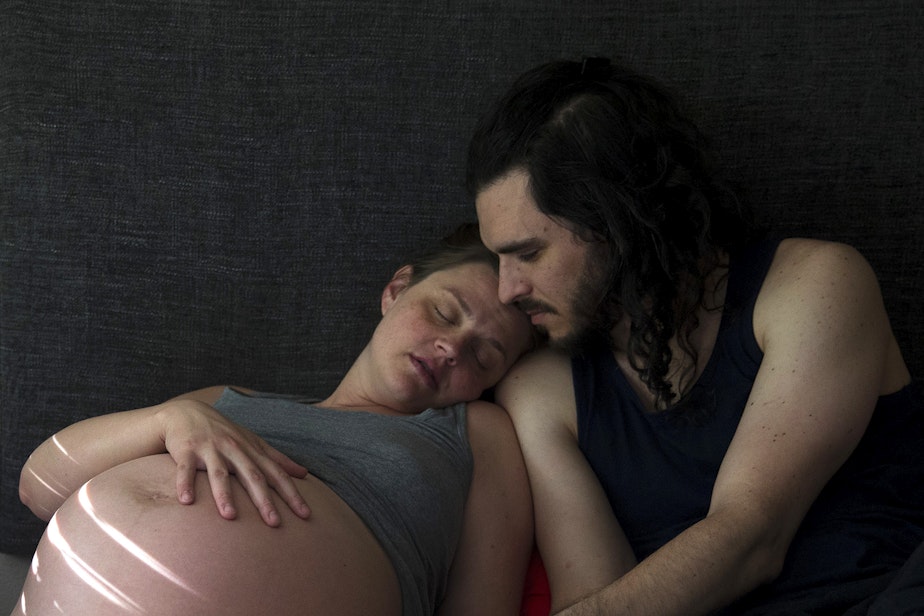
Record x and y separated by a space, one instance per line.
467 310
530 243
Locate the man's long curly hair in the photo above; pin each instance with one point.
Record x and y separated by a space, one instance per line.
610 155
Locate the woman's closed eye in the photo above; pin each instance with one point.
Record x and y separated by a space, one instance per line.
480 360
475 349
479 351
486 355
445 315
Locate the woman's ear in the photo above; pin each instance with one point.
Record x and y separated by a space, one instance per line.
398 283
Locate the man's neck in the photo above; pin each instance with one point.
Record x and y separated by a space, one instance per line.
682 373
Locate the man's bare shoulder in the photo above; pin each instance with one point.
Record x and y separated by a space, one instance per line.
800 261
539 385
482 412
544 370
810 276
489 423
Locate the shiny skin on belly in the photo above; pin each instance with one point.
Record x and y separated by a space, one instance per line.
124 545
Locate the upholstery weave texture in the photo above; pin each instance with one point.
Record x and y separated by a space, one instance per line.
205 192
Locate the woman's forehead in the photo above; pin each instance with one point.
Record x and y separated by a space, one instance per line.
473 281
474 286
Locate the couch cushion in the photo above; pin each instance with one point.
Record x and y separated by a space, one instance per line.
210 192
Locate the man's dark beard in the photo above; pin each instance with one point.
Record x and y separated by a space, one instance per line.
589 330
592 322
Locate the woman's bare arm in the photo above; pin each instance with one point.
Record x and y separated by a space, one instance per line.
188 428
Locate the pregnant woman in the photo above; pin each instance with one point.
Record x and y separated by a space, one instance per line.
419 501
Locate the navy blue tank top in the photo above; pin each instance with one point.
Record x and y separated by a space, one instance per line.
658 469
666 461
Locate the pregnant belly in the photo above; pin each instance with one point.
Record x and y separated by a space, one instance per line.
124 545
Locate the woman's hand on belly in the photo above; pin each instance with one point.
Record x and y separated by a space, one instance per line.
199 438
187 427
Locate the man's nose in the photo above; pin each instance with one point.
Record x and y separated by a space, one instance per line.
512 285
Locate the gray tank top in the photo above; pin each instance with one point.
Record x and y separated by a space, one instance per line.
407 477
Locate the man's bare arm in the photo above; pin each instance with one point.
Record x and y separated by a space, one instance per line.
827 343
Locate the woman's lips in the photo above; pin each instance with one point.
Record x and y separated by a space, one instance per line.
424 370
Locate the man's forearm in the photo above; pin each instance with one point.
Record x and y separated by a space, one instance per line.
706 567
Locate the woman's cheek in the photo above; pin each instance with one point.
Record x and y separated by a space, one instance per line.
476 387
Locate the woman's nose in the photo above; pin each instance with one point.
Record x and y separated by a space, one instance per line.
449 346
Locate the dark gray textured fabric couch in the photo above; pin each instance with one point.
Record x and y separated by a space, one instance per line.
195 192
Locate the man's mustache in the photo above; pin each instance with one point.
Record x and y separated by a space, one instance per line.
529 305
